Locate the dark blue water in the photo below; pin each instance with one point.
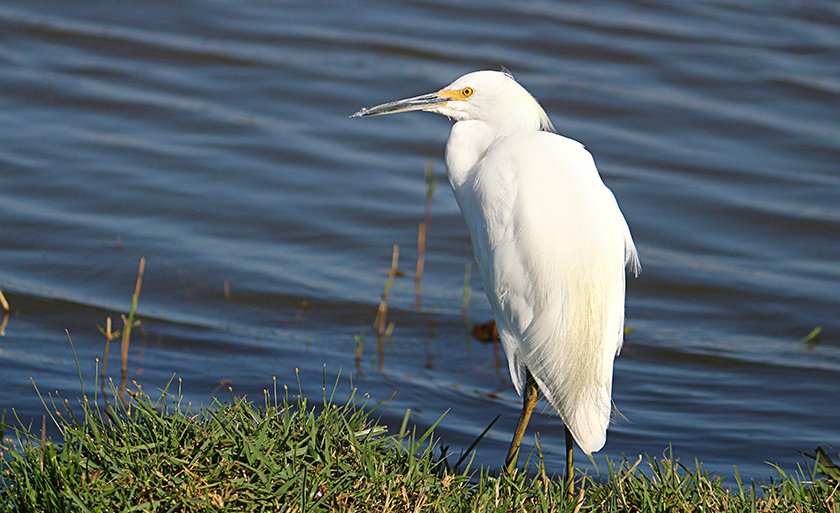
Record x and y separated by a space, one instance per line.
213 139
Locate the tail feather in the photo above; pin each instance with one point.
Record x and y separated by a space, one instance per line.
587 418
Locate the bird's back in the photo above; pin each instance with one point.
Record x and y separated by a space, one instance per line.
551 246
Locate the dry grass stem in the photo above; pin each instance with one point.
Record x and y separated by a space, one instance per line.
421 252
129 323
380 322
421 235
109 336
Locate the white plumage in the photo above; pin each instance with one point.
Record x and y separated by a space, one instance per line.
550 242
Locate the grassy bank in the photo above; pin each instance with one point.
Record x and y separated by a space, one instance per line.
285 453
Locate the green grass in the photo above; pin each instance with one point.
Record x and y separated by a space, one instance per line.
286 453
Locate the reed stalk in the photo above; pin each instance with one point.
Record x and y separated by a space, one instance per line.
421 235
129 323
380 321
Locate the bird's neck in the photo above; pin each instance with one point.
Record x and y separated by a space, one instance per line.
467 144
470 139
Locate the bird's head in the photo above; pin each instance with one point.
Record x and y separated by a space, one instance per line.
490 96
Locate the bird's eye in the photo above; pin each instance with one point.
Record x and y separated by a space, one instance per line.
467 92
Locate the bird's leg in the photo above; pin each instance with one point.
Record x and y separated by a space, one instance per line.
570 465
529 400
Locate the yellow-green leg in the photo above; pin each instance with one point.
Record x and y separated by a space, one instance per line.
570 464
529 400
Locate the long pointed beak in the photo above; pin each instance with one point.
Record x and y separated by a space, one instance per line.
422 102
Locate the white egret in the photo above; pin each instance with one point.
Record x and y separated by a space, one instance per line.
551 246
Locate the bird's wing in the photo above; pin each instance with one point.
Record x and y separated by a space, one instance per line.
551 246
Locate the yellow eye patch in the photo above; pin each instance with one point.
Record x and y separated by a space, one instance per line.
459 95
